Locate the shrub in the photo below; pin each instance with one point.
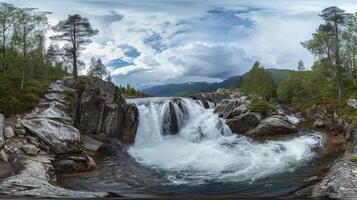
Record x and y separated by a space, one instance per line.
260 105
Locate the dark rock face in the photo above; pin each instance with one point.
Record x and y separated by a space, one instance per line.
274 125
100 108
243 123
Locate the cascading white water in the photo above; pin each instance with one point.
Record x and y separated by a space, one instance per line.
204 149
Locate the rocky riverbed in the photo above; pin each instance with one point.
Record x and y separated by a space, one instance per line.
85 128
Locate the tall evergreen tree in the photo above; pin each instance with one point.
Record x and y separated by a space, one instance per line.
76 30
327 42
260 82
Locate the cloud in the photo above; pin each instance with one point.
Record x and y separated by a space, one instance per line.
154 42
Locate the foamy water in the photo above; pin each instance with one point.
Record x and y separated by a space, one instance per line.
204 149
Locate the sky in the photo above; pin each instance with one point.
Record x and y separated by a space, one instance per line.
154 42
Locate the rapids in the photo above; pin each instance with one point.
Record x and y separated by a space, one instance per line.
205 150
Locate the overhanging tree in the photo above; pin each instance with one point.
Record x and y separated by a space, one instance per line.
75 30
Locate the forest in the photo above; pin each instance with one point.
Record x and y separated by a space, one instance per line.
329 83
30 61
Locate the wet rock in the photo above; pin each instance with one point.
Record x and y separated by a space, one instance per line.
90 143
100 108
319 123
30 149
3 155
352 103
244 122
273 125
60 137
2 126
34 181
340 181
74 164
312 179
8 132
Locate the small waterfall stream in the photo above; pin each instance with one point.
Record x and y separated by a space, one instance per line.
192 145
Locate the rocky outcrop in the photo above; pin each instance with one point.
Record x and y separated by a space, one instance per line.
60 137
341 179
243 121
48 145
274 125
98 108
325 118
216 97
34 181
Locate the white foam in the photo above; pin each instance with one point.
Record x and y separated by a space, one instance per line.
205 149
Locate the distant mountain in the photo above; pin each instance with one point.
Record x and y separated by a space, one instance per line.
183 89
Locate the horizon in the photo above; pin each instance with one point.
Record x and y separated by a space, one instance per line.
145 43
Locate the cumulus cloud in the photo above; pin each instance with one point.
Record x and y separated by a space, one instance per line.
154 42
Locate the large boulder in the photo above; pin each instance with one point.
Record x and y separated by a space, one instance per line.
2 127
340 181
34 181
229 108
61 138
244 122
99 108
274 125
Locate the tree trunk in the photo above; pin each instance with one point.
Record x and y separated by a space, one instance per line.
4 54
341 90
75 68
75 73
23 61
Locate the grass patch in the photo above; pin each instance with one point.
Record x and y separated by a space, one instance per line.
353 159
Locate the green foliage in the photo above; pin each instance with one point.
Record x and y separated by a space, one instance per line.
261 105
131 91
353 159
260 82
97 68
331 81
26 67
13 100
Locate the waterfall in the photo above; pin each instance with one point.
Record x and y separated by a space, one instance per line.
193 145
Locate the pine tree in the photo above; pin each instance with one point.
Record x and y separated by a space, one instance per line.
76 30
97 68
301 66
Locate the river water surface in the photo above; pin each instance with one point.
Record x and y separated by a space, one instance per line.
203 158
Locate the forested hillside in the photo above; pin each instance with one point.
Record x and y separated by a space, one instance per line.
183 89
